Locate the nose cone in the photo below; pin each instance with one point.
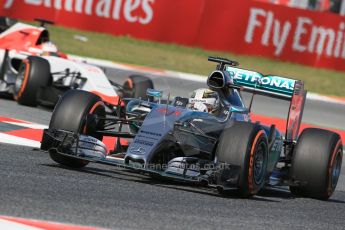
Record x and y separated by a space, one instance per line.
154 130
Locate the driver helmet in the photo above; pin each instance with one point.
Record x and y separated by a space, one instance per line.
204 100
49 47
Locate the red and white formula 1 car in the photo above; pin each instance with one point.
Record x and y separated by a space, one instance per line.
34 71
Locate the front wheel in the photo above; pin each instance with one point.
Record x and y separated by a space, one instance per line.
316 163
70 114
245 146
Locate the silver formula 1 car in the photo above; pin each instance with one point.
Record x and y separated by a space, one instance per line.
223 149
34 71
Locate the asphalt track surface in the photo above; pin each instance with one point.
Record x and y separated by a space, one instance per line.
33 186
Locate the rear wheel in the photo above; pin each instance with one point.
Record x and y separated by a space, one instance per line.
316 163
136 85
70 114
33 73
244 145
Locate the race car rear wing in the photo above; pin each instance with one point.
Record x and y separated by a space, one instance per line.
269 85
266 85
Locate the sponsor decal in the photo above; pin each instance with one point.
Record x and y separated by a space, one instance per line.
308 35
143 142
147 137
197 100
137 150
150 133
132 11
254 78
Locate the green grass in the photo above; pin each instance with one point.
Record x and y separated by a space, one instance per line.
186 59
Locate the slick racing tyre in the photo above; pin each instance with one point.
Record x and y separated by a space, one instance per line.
316 163
135 87
245 146
3 62
70 114
6 23
33 73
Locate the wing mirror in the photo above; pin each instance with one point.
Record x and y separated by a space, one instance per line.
154 93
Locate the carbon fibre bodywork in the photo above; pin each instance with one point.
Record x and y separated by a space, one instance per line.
174 141
194 132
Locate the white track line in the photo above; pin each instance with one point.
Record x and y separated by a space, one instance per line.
11 225
14 140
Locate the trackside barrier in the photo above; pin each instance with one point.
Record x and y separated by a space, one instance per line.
250 27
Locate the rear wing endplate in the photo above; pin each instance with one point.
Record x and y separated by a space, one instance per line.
296 109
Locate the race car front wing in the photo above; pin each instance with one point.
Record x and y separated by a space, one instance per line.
184 169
